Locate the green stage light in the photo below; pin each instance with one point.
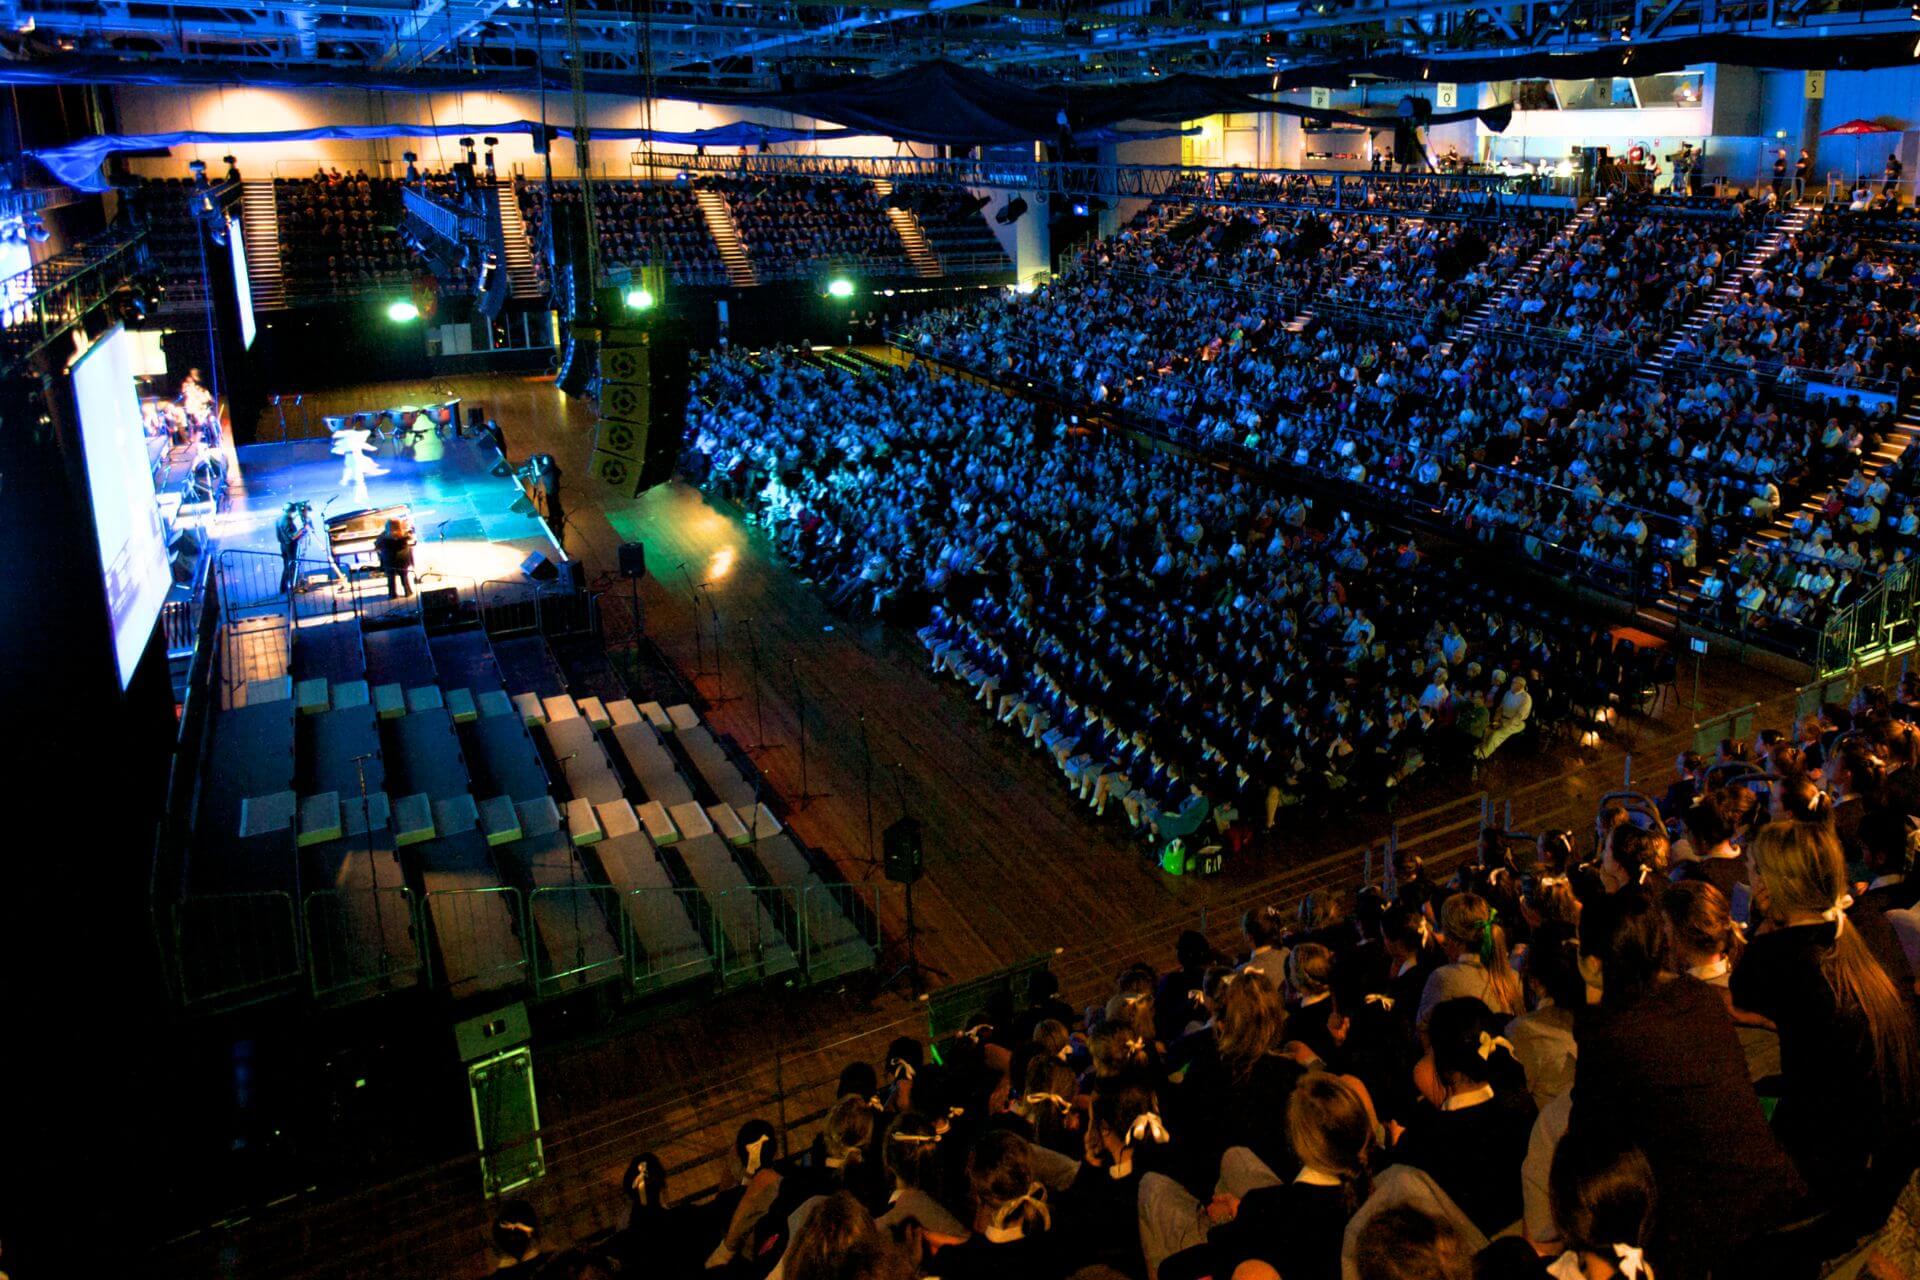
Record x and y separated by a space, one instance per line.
402 312
841 288
639 299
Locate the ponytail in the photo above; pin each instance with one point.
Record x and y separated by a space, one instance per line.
1471 924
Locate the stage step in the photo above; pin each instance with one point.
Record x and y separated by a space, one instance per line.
719 218
522 268
913 239
260 231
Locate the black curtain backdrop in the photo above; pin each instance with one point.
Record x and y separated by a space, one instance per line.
943 102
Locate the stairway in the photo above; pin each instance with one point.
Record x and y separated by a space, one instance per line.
925 262
1522 279
713 207
1680 598
1791 224
522 269
260 228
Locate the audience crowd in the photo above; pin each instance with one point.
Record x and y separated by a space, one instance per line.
339 233
641 224
1183 644
1680 1044
795 227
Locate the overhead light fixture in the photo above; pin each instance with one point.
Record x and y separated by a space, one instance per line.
403 312
840 288
639 299
1011 212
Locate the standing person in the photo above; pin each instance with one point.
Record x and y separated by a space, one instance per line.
1780 175
1803 171
1893 172
291 530
1850 1064
395 545
353 443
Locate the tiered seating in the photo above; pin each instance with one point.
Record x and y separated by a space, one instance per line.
1638 269
360 927
1836 304
640 223
339 234
173 237
796 228
1093 609
956 226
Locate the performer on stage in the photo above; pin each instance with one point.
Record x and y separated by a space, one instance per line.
395 545
198 404
294 526
353 443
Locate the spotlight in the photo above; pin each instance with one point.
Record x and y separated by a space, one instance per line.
639 299
403 312
840 288
37 230
1012 212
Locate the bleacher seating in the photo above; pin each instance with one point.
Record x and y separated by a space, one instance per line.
339 235
641 224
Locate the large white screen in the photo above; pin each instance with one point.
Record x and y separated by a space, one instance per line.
133 545
241 280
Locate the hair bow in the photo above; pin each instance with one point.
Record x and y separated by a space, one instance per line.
978 1033
1838 911
753 1150
1035 1099
1489 1043
1148 1125
874 1101
1633 1262
1066 1051
640 1179
913 1138
901 1070
1384 1001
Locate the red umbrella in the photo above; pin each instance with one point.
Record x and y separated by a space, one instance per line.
1856 129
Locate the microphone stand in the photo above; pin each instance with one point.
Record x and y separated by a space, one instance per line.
911 969
719 670
866 785
373 865
760 742
806 796
693 598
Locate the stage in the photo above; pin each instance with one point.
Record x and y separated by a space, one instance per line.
463 514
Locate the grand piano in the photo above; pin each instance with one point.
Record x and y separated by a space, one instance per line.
351 534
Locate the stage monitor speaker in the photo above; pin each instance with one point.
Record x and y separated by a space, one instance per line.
633 559
506 1120
492 1033
183 553
539 568
439 605
578 361
902 851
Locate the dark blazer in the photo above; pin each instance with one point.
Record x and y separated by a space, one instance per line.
1667 1073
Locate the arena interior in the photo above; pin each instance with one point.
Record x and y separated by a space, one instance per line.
867 639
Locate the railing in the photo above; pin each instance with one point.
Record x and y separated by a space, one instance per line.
1883 623
1269 188
358 943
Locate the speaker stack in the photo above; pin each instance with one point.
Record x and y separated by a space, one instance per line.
643 406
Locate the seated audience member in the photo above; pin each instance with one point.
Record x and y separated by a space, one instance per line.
1296 1226
1475 943
1473 1139
1661 1068
1407 1244
516 1240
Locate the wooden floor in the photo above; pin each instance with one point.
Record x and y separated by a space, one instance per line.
1014 867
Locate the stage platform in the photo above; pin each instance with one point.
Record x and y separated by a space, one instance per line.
469 535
